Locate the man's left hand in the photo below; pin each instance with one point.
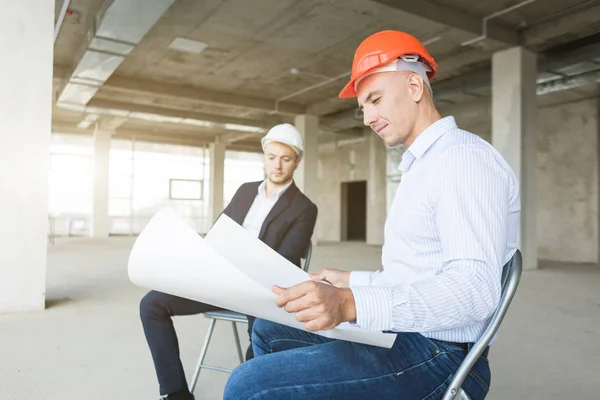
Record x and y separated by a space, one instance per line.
318 305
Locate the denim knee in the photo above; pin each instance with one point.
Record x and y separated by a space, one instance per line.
263 328
238 385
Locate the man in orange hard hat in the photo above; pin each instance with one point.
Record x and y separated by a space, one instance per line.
451 228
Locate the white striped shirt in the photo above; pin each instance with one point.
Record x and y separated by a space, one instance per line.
451 228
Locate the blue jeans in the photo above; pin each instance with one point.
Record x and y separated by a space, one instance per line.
293 364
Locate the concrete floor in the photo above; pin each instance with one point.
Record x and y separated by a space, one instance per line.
88 344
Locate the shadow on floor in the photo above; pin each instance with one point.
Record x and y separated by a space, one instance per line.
57 302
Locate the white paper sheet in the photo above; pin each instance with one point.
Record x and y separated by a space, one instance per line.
253 257
229 268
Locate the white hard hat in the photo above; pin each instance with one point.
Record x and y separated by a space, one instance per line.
286 134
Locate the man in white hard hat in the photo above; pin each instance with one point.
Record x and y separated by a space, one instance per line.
275 211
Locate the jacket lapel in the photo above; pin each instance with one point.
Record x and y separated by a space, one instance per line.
284 202
246 202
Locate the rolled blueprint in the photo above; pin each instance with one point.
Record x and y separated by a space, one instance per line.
229 268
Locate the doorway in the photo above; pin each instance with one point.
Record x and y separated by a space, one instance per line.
354 211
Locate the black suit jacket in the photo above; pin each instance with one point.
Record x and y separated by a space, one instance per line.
288 226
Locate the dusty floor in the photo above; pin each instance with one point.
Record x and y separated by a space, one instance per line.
88 344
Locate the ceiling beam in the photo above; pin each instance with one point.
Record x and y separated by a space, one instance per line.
162 128
343 120
153 137
583 21
548 62
573 55
183 140
158 89
156 137
174 113
68 128
150 88
329 105
111 123
451 17
60 72
232 137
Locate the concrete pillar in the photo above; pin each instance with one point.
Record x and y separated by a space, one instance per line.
217 177
100 222
306 175
514 107
26 29
376 188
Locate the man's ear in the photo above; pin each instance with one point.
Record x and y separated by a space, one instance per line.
416 86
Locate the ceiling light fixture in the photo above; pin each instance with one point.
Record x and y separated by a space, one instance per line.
188 46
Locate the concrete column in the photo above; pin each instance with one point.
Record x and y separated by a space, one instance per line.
514 107
217 177
306 175
26 32
100 223
376 188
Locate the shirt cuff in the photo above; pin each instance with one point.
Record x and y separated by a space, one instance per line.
373 307
360 278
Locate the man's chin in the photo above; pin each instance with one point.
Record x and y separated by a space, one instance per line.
279 179
392 141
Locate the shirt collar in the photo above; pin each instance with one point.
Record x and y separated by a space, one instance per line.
425 140
276 194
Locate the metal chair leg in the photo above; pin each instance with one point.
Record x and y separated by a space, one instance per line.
237 342
194 380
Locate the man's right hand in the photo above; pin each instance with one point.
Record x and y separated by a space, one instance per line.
336 277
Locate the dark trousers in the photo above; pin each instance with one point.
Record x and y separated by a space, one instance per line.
156 310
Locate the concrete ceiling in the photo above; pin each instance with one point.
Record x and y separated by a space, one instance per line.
243 76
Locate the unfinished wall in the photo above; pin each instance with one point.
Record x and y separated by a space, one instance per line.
376 189
344 164
567 161
567 179
568 182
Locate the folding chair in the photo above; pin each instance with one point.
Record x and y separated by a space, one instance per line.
234 318
511 274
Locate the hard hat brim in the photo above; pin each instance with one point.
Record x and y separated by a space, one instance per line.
348 91
265 142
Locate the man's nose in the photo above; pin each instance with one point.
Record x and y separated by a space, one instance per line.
369 117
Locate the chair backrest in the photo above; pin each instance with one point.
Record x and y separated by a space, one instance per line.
511 274
307 257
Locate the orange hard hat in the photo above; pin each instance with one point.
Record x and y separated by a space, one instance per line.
381 48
